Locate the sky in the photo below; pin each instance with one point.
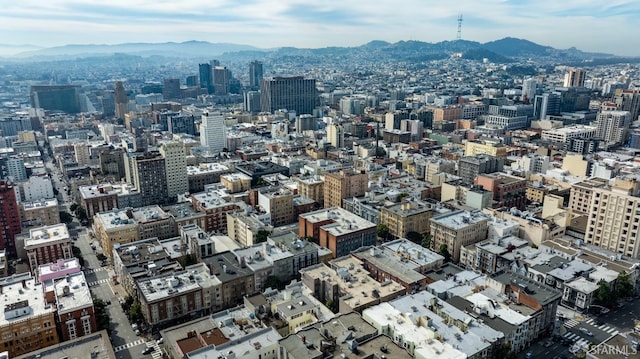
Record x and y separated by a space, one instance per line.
609 26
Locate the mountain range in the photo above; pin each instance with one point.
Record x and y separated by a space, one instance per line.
501 51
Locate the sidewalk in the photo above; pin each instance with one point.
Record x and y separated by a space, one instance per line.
571 314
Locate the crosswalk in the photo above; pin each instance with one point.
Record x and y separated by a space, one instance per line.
580 342
156 353
128 345
95 270
98 282
605 328
570 323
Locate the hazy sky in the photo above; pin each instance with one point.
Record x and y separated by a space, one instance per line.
600 25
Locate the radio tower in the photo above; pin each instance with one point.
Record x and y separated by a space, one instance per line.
459 35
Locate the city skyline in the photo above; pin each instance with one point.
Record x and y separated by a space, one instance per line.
588 25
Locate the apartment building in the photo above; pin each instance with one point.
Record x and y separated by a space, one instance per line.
343 184
114 227
40 213
47 244
98 198
457 229
508 190
215 207
236 182
153 222
204 174
278 203
311 187
492 148
564 134
75 310
405 217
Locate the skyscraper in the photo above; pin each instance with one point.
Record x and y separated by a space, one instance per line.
64 98
171 89
221 80
529 89
628 100
175 168
120 99
213 133
149 177
613 126
206 77
10 223
574 77
256 73
290 93
251 101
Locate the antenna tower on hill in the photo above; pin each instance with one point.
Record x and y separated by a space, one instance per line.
459 35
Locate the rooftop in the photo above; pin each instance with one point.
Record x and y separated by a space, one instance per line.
401 268
100 190
341 221
47 234
72 293
542 293
460 219
40 204
97 343
149 214
116 218
167 285
23 298
204 168
225 266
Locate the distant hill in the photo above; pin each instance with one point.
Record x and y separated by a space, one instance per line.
500 51
169 49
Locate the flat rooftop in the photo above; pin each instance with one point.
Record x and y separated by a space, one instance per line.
97 343
116 218
399 268
168 285
40 204
206 168
72 293
149 214
100 190
47 234
22 300
460 219
342 221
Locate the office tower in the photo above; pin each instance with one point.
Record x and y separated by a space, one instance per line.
612 126
11 126
175 168
414 126
65 98
206 77
469 167
574 77
546 104
149 177
181 124
171 89
111 162
628 100
120 100
251 101
306 123
574 99
256 73
290 93
221 79
529 87
108 103
213 133
10 222
191 81
335 135
344 184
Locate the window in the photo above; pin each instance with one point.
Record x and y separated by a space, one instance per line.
86 325
71 329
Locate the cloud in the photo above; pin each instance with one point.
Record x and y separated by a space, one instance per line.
592 25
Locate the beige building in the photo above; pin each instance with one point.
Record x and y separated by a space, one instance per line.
575 164
243 228
175 168
343 184
114 227
582 193
279 205
405 217
311 187
458 229
496 149
47 244
40 213
434 166
614 218
236 182
98 198
81 153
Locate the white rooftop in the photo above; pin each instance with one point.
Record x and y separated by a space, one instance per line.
22 298
460 219
72 293
115 218
344 222
47 235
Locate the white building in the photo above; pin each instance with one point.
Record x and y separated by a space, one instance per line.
613 126
335 135
37 188
175 168
562 135
213 133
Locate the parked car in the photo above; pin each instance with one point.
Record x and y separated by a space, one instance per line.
586 331
147 350
160 341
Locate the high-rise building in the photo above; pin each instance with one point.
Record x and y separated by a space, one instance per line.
10 224
335 135
149 177
120 99
15 169
64 98
256 73
612 126
251 101
529 89
175 168
574 77
290 93
213 133
171 89
108 103
628 100
344 184
221 80
206 77
546 104
181 124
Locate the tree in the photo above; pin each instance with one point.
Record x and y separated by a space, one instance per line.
603 293
81 214
624 286
135 312
401 196
272 282
101 257
414 237
66 217
102 317
444 251
383 231
261 236
78 254
504 351
426 240
73 207
380 152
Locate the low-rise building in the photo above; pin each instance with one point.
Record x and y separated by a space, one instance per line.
337 229
47 245
153 222
75 310
215 206
184 214
95 345
204 174
457 229
236 182
237 280
405 217
347 286
40 213
98 198
25 312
